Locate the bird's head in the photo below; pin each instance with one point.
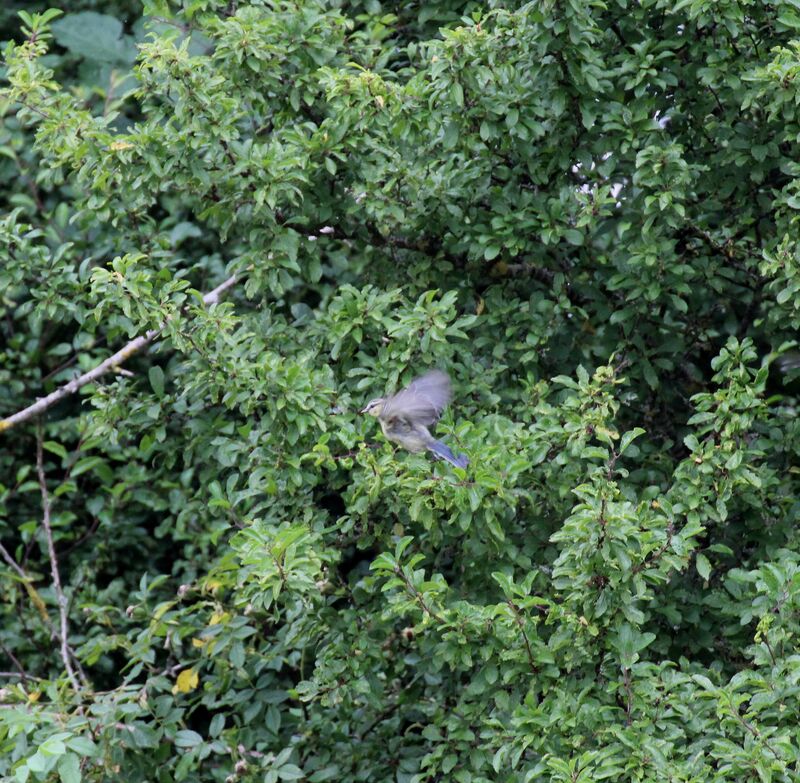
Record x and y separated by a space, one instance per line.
374 407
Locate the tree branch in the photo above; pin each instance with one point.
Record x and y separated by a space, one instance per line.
27 583
13 564
13 658
51 550
133 347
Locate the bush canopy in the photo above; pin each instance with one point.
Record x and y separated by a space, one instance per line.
225 226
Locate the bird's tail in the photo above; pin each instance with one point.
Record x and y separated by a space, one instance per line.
443 452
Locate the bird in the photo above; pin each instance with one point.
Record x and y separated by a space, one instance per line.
406 417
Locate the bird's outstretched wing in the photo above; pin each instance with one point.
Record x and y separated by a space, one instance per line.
422 401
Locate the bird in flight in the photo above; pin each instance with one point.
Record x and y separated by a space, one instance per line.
406 417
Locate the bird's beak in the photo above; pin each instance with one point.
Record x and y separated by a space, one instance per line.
363 410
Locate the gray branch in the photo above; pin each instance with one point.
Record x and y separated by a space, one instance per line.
51 551
133 347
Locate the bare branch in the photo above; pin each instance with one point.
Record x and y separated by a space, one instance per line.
27 583
60 597
133 347
13 563
13 658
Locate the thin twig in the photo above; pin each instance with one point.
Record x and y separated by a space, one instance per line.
386 713
521 625
13 658
14 565
85 537
27 583
653 557
51 549
626 679
752 729
133 347
418 597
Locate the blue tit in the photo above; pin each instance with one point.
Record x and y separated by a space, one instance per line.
406 417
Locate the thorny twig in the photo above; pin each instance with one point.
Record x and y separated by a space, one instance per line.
51 550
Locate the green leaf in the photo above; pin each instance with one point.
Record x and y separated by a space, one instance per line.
69 770
628 438
83 746
703 566
55 448
451 133
789 19
94 36
85 464
37 762
290 772
156 376
52 746
216 725
186 738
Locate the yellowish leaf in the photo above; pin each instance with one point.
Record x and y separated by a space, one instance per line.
187 681
162 609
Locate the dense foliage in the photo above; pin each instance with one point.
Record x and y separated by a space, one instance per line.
214 569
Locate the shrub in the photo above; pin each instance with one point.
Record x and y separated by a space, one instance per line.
215 569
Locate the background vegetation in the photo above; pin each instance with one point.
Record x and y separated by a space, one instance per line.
214 570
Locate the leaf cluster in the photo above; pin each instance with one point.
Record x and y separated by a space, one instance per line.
584 211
